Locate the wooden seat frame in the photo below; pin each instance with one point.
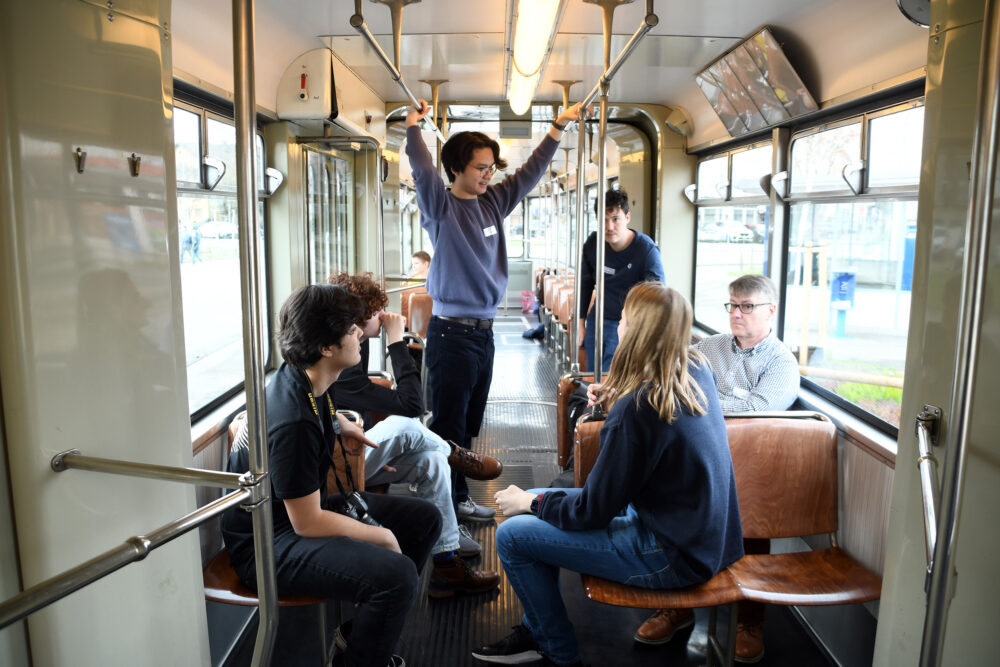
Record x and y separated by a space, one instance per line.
786 480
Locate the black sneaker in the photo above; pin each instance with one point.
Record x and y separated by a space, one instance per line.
516 648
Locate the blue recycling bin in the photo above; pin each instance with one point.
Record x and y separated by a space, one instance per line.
842 298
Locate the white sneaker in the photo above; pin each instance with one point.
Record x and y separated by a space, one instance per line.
468 510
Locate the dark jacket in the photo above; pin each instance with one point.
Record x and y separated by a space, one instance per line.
354 391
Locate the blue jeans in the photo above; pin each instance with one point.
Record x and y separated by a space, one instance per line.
460 369
532 552
420 458
610 342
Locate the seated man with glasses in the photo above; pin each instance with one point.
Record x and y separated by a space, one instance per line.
754 372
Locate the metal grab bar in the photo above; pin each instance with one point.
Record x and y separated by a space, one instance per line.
649 22
359 24
72 458
926 426
135 548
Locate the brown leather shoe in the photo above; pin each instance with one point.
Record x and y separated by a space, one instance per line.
455 576
663 625
473 465
749 643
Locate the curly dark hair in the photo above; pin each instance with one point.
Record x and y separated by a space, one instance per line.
457 152
314 317
373 297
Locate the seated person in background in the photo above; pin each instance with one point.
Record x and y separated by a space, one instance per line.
659 509
409 452
630 257
319 550
420 264
754 371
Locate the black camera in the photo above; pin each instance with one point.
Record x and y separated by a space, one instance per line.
356 508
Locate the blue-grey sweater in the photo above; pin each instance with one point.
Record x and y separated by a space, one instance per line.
679 477
468 277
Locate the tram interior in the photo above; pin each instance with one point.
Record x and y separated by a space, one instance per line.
126 227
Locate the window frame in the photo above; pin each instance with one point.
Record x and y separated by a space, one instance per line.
206 109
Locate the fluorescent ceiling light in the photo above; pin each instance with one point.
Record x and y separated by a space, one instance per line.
536 20
522 89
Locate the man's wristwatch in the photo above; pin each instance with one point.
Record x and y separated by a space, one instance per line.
534 505
558 126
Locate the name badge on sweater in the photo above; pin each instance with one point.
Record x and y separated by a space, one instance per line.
608 270
490 231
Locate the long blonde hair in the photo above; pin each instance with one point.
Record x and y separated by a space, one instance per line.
655 352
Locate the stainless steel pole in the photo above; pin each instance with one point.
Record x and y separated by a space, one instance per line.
602 186
581 186
73 459
648 23
358 23
253 362
975 263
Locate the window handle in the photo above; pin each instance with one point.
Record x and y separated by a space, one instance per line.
851 173
209 164
779 182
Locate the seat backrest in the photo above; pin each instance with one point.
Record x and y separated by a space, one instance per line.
421 305
786 475
404 300
586 447
547 289
388 384
564 433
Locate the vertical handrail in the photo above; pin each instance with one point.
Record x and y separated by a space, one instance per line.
975 264
253 363
927 424
602 185
581 186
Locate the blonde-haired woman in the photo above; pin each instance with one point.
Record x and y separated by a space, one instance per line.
659 508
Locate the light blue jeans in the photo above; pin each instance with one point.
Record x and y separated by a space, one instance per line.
532 552
420 458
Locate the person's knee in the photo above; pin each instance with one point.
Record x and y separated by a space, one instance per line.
508 534
395 584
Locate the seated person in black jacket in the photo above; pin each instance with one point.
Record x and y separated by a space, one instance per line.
409 452
318 549
659 509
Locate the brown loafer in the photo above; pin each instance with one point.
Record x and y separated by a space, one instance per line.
473 465
663 625
749 643
455 576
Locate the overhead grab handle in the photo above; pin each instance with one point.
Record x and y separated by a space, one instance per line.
358 23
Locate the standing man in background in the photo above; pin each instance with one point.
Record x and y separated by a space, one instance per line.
468 278
420 264
630 257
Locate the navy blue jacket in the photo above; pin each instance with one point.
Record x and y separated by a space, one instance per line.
637 263
679 477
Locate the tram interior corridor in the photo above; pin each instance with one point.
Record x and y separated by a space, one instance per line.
519 429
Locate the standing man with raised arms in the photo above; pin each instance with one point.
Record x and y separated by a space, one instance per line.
468 277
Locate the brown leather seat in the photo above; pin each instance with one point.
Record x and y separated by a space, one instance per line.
786 481
404 301
421 305
564 436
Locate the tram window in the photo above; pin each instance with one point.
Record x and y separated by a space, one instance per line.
210 266
330 212
819 159
748 168
894 146
538 238
713 178
187 145
850 261
515 232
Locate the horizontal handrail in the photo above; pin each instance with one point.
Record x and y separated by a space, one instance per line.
73 459
135 548
397 290
778 414
648 23
359 24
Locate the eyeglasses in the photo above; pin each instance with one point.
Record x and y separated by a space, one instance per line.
486 171
745 308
